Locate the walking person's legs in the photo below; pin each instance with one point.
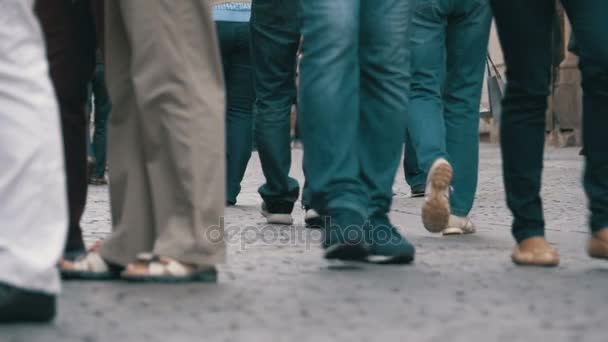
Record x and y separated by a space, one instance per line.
238 71
524 29
352 96
425 119
589 26
181 130
34 212
166 145
444 115
385 79
275 38
130 194
466 45
329 118
68 29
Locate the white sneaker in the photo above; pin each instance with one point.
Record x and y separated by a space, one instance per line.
458 225
436 209
276 218
312 219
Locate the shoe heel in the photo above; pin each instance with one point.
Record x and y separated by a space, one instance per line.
436 209
280 219
442 177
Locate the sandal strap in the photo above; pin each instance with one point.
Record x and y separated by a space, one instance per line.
91 262
171 267
161 266
147 258
96 246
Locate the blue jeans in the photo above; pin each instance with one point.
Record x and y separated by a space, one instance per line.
449 49
353 94
275 38
414 176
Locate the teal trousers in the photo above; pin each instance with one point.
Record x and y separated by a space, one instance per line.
238 74
275 39
449 44
414 176
353 93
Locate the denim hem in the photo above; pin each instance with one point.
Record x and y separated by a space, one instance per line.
598 227
524 234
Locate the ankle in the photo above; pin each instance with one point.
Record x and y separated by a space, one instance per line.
601 234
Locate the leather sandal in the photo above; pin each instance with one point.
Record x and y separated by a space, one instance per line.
598 245
535 251
159 269
458 225
89 266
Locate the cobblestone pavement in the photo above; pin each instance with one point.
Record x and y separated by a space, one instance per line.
280 289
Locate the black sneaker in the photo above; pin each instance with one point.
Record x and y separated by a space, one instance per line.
18 305
344 236
418 191
387 245
278 212
94 180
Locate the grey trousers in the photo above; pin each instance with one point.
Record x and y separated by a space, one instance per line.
166 131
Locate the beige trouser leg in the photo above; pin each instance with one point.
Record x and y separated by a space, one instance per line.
166 135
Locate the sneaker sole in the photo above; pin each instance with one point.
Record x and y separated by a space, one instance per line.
282 219
346 252
453 232
436 209
457 231
392 260
203 277
314 223
547 264
536 261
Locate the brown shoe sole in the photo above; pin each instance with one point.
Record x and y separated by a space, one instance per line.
436 208
535 263
598 249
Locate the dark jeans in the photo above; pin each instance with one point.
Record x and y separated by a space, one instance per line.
238 74
70 40
103 107
525 33
275 39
